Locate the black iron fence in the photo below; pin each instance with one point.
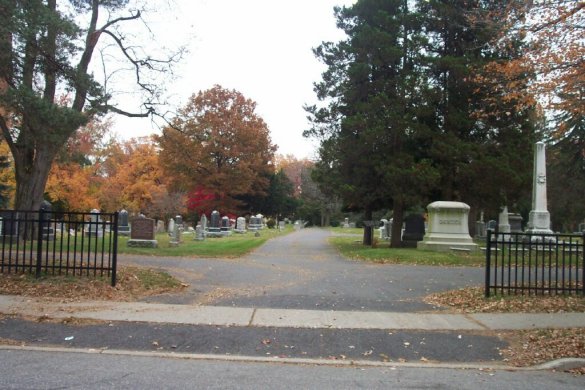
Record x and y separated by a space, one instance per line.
533 264
57 243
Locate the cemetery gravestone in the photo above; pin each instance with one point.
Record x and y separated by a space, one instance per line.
171 229
160 226
95 225
123 226
142 233
448 228
240 225
214 229
384 229
203 222
180 225
45 222
346 223
9 223
225 226
503 223
480 227
414 230
199 233
255 223
492 224
175 234
515 221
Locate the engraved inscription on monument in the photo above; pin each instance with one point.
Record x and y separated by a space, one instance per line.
142 229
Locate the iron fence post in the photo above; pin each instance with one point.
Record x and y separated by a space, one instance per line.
39 243
583 264
488 263
115 250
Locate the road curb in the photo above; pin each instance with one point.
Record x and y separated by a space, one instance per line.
564 364
560 364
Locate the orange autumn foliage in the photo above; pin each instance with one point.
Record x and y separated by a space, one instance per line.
550 69
219 143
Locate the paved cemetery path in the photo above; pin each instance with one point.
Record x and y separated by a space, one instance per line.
302 271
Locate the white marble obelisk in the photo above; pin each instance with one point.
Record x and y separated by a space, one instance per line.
539 217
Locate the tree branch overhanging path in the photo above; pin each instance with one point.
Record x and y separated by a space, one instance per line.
45 96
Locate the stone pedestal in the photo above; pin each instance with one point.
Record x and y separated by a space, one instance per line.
448 228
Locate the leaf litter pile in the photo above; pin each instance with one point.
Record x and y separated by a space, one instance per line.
530 347
132 283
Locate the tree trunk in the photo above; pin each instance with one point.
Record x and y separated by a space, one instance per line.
32 172
368 239
397 219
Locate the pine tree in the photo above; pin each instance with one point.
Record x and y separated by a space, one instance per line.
370 126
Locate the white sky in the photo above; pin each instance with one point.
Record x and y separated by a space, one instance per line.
261 48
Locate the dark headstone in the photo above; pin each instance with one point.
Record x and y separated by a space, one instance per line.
142 229
214 222
123 226
9 223
225 224
414 230
45 221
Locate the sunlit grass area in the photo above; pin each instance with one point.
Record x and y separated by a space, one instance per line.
232 246
352 248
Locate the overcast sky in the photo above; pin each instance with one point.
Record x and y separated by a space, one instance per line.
261 48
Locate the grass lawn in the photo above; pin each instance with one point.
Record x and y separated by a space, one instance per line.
233 246
351 247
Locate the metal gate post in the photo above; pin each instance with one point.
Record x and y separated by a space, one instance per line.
39 243
488 264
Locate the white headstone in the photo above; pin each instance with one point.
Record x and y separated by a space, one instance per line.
199 233
503 222
171 228
241 224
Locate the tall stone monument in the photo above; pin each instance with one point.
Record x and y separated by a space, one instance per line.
539 217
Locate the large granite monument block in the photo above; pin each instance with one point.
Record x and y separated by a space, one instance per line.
448 228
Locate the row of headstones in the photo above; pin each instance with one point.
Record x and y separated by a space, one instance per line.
413 229
506 223
51 227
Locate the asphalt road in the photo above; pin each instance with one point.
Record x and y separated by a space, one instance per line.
59 370
302 271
